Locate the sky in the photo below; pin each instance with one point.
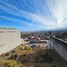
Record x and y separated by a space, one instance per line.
33 15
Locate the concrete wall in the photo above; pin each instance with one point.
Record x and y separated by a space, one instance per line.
59 45
9 39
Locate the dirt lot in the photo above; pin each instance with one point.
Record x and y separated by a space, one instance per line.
36 57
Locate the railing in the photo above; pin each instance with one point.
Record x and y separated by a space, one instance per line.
59 45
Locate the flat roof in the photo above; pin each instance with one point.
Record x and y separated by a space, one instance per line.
8 28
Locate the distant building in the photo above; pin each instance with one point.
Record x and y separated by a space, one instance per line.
9 39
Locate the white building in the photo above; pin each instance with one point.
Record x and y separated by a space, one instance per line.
9 39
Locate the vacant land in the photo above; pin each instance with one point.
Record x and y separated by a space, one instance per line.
36 57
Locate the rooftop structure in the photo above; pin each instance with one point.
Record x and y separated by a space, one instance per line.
9 39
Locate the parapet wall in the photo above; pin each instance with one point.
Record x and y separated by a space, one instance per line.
9 39
59 45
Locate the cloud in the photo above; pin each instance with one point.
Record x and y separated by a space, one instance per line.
21 13
17 21
42 20
59 10
48 13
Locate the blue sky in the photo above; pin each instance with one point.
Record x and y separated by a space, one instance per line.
33 15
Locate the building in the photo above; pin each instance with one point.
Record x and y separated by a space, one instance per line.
9 39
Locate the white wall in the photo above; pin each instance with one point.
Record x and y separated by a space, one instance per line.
9 39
